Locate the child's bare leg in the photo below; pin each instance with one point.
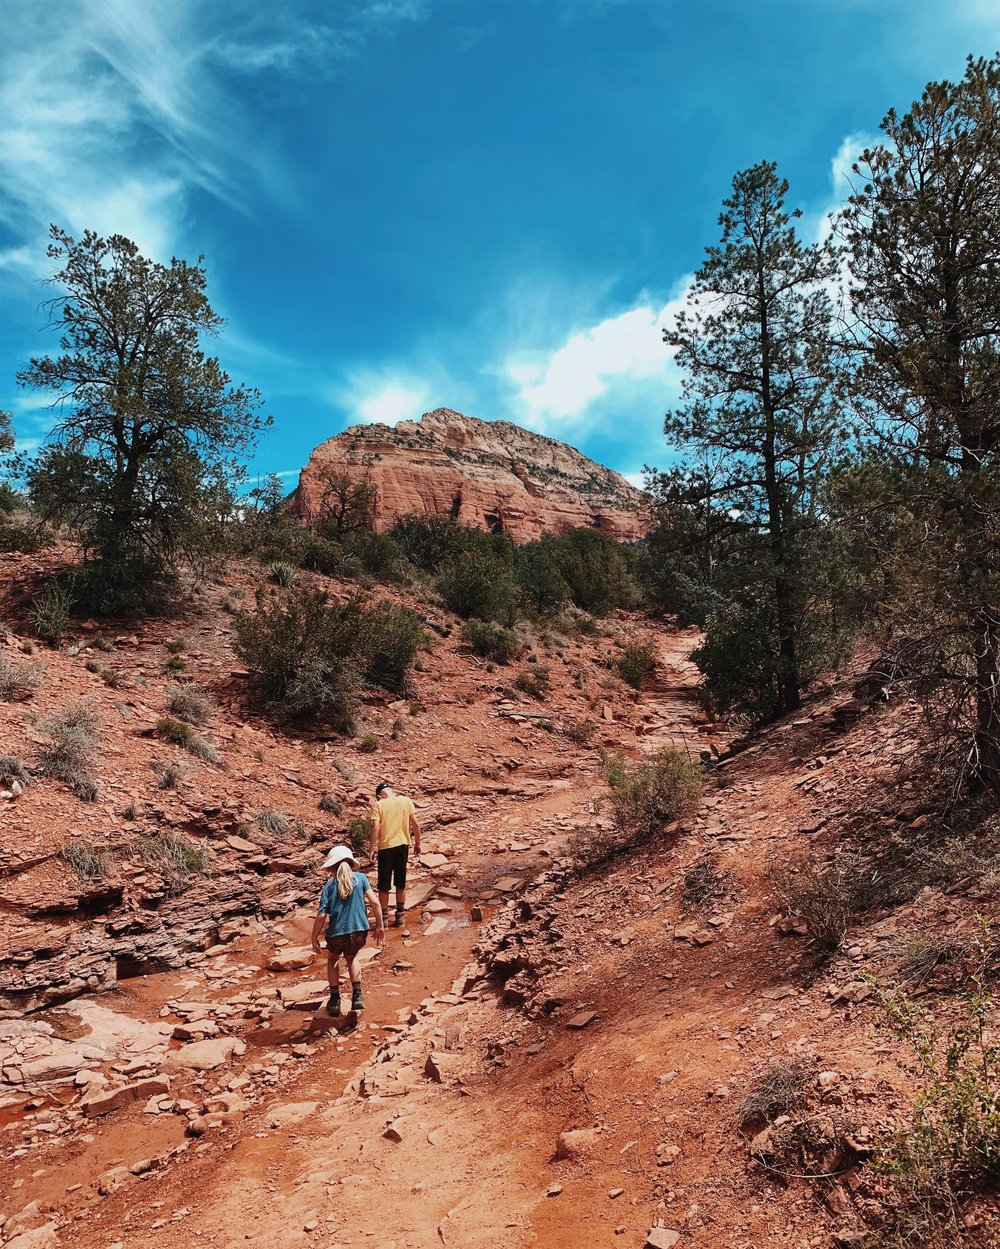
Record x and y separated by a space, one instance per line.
333 972
354 971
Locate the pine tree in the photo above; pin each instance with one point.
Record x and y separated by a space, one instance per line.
755 349
923 235
145 418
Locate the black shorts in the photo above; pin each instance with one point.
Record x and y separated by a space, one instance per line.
392 868
348 944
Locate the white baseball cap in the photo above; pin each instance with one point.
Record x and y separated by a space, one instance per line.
340 854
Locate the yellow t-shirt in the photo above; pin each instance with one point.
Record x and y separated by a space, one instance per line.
393 815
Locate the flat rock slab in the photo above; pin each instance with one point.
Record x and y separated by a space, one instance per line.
292 958
417 895
204 1055
289 1114
508 884
662 1238
433 860
581 1019
104 1102
305 996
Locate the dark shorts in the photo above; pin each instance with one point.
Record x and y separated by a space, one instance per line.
392 868
348 943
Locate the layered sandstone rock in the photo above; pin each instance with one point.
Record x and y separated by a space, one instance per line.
489 474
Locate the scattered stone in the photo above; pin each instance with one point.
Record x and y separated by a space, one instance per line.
204 1055
615 1193
294 958
661 1238
581 1019
576 1142
553 1190
104 1102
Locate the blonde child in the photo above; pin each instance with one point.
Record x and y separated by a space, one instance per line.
342 912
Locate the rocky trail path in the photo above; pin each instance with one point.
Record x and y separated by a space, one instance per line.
395 1132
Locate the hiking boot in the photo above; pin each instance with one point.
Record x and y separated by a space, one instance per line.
357 1001
399 918
333 1003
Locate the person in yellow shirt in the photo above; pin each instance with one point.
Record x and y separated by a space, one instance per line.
394 828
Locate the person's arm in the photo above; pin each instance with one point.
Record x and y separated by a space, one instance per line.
373 839
319 923
415 832
371 897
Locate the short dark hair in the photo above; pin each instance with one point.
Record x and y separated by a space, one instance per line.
382 785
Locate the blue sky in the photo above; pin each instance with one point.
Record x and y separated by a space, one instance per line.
490 205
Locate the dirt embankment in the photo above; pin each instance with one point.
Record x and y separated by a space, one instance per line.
545 1059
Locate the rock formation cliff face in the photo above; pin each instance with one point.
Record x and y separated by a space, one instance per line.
489 474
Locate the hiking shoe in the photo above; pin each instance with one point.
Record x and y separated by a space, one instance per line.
399 918
333 1003
357 1001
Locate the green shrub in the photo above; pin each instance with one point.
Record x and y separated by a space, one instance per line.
480 584
177 645
24 538
492 641
368 744
644 797
330 804
302 653
542 585
12 769
273 822
580 731
169 775
175 858
18 681
358 833
53 613
189 704
88 862
113 680
385 638
431 543
179 733
950 1149
175 663
68 754
534 681
375 553
595 568
10 500
635 663
826 896
281 573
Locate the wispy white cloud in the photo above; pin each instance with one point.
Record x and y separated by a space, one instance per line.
112 113
369 397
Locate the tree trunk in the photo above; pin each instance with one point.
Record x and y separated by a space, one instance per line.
986 642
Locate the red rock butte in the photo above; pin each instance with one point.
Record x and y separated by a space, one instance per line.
489 474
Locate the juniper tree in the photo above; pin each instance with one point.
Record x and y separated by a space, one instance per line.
144 416
923 234
755 348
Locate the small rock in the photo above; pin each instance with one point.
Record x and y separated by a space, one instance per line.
581 1019
661 1238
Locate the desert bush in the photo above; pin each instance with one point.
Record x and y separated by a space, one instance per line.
480 584
15 535
330 804
113 680
177 645
175 858
310 655
385 638
180 733
87 861
580 731
68 754
368 744
950 1149
18 681
169 775
374 553
777 1090
273 822
492 641
358 833
644 798
281 573
826 896
534 680
431 543
703 881
12 769
52 613
188 703
635 663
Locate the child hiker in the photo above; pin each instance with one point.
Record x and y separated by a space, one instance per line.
342 911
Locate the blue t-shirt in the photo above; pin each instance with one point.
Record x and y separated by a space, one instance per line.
345 914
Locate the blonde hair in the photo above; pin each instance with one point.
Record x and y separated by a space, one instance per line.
345 879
